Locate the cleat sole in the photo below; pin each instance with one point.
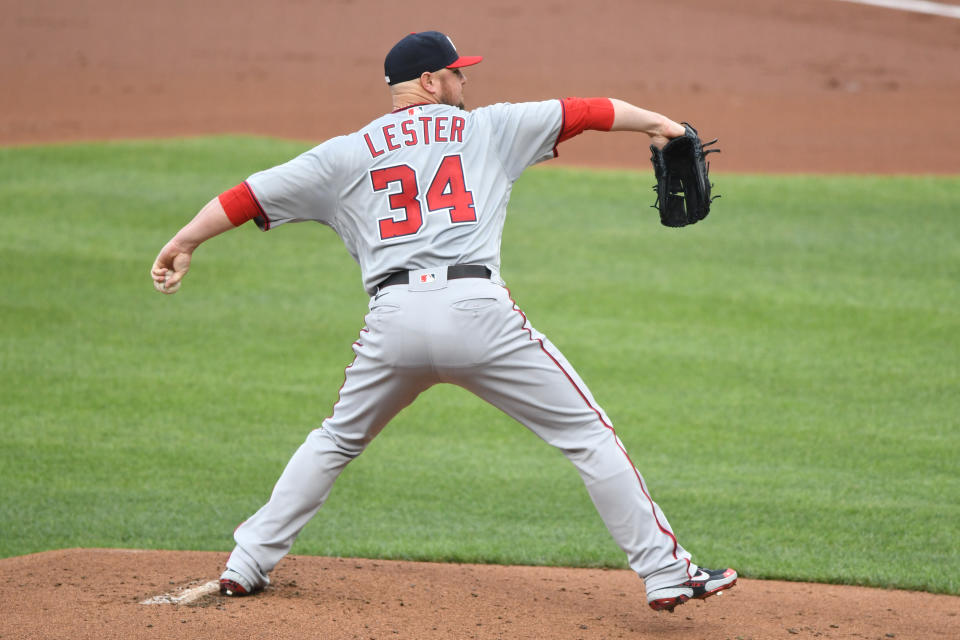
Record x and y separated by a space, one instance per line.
669 604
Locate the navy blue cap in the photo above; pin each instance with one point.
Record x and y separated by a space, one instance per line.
420 52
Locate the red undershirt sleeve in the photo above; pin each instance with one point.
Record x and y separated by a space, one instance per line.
580 114
241 205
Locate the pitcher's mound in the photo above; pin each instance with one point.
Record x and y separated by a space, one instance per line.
106 594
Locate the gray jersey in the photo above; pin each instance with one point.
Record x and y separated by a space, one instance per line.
417 188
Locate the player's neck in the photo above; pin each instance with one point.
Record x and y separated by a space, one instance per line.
400 105
412 97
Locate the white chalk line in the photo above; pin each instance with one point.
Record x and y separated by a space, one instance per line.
917 6
185 596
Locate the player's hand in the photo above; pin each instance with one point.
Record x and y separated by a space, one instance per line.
659 141
169 268
665 132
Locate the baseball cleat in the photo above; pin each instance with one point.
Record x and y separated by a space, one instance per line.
234 585
703 585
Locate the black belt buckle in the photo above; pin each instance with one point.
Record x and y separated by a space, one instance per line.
453 273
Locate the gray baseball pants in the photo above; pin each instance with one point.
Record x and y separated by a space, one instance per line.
466 332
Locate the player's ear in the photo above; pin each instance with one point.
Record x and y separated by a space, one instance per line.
429 83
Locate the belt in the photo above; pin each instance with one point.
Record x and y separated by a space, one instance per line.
453 272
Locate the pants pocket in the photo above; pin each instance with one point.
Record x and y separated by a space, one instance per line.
473 304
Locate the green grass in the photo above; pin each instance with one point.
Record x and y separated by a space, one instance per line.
787 371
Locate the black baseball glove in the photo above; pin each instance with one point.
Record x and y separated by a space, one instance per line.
683 179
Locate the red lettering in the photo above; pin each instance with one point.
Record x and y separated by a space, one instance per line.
449 191
438 130
456 132
373 152
404 200
426 129
442 129
388 137
407 127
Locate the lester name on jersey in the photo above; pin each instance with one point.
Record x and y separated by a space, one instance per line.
411 132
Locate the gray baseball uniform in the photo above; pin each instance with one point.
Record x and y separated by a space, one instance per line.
420 193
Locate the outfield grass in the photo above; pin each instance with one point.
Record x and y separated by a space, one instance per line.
785 373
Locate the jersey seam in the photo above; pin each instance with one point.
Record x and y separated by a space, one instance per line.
563 127
266 224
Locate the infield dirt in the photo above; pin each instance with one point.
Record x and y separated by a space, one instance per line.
813 86
82 593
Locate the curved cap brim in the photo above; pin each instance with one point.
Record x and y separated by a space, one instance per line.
464 61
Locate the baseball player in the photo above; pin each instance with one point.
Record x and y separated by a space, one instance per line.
419 197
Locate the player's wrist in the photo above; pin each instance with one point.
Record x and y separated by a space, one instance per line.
183 243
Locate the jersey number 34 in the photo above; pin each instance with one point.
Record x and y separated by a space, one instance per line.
447 191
